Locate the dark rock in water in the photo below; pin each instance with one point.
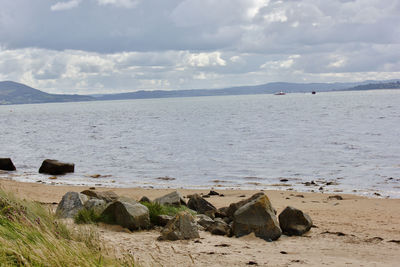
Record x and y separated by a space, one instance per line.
173 198
257 216
71 203
182 226
284 180
6 164
55 167
145 199
131 215
294 222
107 196
219 227
213 193
163 220
97 205
200 205
234 206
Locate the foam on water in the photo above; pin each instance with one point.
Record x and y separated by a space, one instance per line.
349 138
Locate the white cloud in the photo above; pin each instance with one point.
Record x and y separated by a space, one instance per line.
65 5
205 59
119 3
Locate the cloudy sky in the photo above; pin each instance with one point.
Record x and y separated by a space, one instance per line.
107 46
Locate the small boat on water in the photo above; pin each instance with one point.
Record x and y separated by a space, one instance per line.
280 93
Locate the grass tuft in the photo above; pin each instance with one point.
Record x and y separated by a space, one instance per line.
156 209
30 235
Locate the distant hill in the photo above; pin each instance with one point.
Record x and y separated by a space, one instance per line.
375 86
17 93
268 88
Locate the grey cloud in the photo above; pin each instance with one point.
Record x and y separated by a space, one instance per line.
122 45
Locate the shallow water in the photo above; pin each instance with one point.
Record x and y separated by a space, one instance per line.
349 138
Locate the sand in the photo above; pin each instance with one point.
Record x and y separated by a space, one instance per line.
355 231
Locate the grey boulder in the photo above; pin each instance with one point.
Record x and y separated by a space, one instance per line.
294 222
71 203
257 216
200 205
97 205
107 196
182 226
128 214
173 198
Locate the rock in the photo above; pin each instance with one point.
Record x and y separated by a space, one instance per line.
163 220
213 193
71 203
145 199
107 196
234 206
173 198
204 220
294 222
6 164
201 205
219 227
257 216
55 167
337 197
182 226
131 215
97 205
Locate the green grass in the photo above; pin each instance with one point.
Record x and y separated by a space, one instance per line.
156 209
86 216
30 235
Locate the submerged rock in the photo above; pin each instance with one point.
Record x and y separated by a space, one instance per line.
257 216
173 198
294 222
6 164
182 226
71 203
55 167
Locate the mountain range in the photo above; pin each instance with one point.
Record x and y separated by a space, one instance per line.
17 93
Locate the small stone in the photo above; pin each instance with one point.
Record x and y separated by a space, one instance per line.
53 178
213 193
337 197
145 199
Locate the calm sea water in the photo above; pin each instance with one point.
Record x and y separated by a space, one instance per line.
349 138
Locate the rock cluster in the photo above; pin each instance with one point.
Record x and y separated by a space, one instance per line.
253 215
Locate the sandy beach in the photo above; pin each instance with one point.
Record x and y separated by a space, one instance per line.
355 231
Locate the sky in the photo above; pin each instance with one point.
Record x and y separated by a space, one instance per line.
112 46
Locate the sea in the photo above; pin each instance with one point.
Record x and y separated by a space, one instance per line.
344 142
